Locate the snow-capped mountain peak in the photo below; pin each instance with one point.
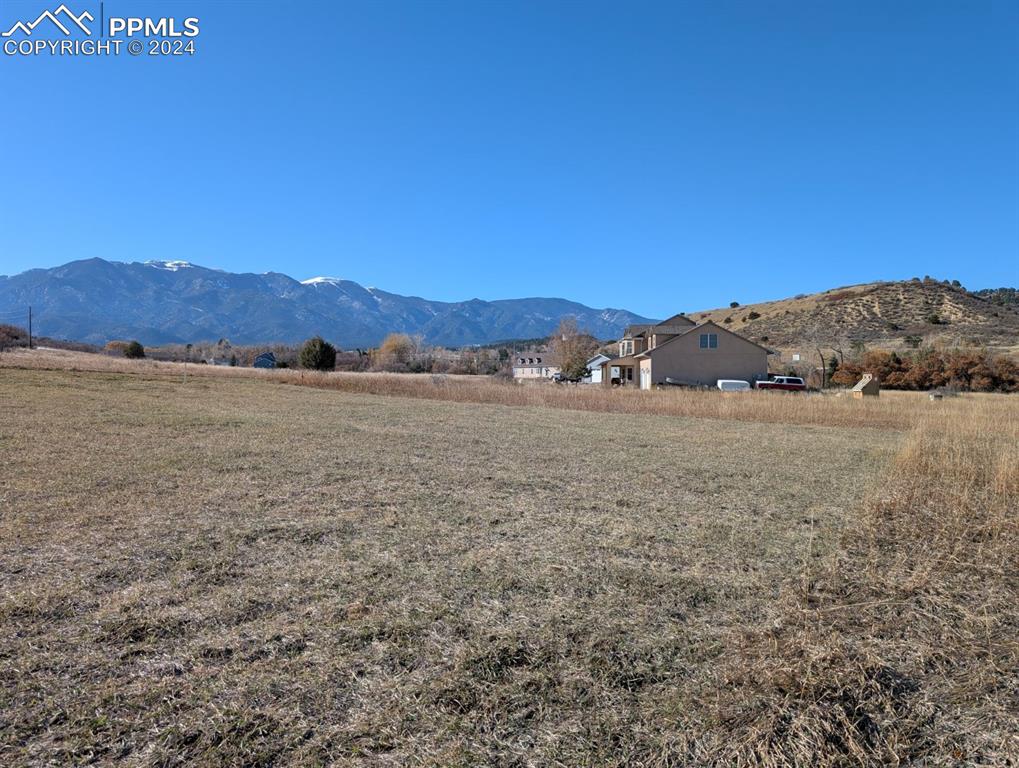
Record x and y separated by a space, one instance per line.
170 266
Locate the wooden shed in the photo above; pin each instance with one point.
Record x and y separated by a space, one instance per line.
868 386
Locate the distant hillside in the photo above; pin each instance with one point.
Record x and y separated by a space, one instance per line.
176 302
886 312
999 295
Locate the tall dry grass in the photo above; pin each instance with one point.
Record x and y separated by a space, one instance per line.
893 410
903 648
899 648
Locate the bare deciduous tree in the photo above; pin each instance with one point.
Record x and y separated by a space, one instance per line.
395 352
820 338
572 348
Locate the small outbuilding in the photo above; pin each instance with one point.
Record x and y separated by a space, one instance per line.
868 386
265 360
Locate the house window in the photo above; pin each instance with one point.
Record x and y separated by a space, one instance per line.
709 341
625 348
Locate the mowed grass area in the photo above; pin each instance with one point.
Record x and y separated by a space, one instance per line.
236 572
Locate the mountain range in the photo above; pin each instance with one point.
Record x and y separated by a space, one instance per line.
160 302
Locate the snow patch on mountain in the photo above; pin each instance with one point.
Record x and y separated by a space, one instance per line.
169 266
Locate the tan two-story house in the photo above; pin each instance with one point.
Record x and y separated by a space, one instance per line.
679 351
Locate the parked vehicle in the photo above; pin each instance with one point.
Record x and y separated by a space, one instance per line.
560 378
783 383
733 385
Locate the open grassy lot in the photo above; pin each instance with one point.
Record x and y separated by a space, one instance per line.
893 410
277 570
234 572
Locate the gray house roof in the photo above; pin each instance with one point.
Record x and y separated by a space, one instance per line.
524 359
707 323
675 324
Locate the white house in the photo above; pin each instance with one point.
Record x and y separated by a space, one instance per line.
594 368
534 365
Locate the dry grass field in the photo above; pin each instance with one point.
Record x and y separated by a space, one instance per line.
828 411
400 571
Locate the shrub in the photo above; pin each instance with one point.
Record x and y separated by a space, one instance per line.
913 341
733 304
727 320
840 295
964 369
134 350
13 336
131 349
354 360
753 315
421 364
318 354
934 319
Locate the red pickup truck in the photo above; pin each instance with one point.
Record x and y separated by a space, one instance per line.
783 383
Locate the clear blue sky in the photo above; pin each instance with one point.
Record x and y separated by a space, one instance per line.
653 156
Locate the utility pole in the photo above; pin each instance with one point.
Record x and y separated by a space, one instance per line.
29 326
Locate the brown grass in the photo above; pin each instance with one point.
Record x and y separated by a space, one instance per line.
893 410
226 572
904 646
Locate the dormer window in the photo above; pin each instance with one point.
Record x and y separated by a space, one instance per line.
625 348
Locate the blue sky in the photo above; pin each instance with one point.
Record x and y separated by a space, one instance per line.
653 156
